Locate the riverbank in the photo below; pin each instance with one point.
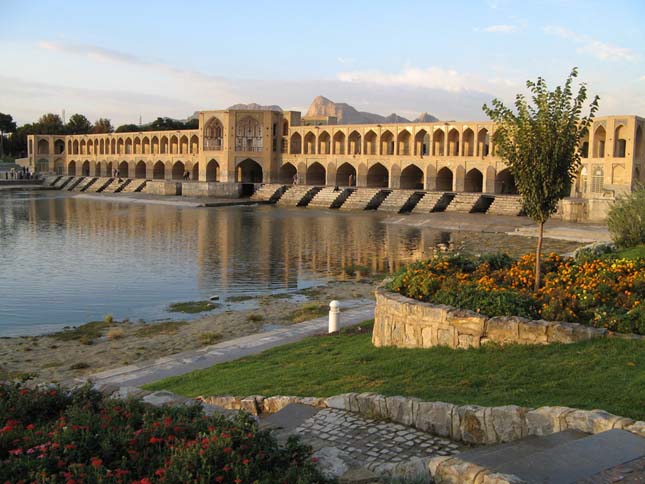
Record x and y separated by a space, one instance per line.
101 346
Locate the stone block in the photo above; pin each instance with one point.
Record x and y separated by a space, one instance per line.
637 428
467 322
591 421
372 405
497 478
508 423
414 469
445 337
314 402
401 409
547 420
504 329
472 427
224 401
533 332
428 338
337 401
250 405
465 341
456 471
277 403
434 417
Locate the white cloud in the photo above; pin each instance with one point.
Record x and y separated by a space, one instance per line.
641 78
589 45
430 77
346 60
504 29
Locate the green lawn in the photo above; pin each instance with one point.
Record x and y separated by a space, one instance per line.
637 252
607 373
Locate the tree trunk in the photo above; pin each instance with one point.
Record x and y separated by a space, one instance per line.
538 255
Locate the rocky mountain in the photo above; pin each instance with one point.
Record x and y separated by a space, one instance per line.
346 114
255 107
425 118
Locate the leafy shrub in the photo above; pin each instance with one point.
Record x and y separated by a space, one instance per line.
49 435
108 319
626 219
497 261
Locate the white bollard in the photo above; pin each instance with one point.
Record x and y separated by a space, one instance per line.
334 311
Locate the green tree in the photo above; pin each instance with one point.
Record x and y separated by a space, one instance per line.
539 142
102 125
49 124
128 128
78 124
7 125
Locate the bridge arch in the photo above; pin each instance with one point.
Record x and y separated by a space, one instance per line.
505 183
474 181
85 168
438 142
124 170
354 147
249 171
178 170
140 169
316 174
339 143
212 171
295 144
159 171
411 178
378 176
310 144
324 143
71 168
343 173
286 173
445 179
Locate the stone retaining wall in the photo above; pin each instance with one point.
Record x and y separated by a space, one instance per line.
407 323
163 187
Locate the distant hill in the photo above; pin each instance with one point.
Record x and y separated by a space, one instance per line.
255 107
346 114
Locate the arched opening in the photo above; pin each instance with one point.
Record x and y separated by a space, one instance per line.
287 173
370 143
128 146
639 148
59 147
310 144
124 170
438 142
295 144
469 142
412 178
316 174
248 135
108 168
339 143
178 170
42 166
75 147
387 143
174 145
71 168
83 150
183 145
43 147
343 174
59 167
421 143
599 139
120 146
194 173
155 145
620 141
137 146
140 170
90 147
249 171
85 168
212 170
378 176
69 147
285 127
159 171
597 180
505 183
213 135
113 146
324 143
354 143
403 142
453 142
145 144
444 180
102 147
194 144
164 145
474 181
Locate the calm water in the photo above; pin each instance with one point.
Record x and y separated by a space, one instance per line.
68 260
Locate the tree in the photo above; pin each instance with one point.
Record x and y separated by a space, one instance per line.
539 143
78 124
49 124
128 128
7 125
102 125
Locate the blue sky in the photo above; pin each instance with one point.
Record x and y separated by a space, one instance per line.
123 60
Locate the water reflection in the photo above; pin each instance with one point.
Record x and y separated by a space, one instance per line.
68 260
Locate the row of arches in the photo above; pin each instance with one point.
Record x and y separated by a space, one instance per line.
431 143
598 150
248 134
136 145
158 170
411 177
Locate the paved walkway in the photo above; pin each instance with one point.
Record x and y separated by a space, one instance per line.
181 363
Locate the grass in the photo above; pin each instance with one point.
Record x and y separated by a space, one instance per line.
637 252
84 333
154 329
207 339
308 311
239 298
191 307
605 373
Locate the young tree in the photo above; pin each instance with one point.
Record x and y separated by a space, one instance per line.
539 142
49 124
7 125
78 124
102 125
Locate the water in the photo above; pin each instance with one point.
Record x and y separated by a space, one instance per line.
68 260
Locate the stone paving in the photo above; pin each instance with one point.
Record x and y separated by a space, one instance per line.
370 443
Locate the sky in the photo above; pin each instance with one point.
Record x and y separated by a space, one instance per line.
143 59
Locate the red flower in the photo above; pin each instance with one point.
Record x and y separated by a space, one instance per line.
30 427
217 479
160 472
96 462
227 450
155 440
237 481
246 462
226 468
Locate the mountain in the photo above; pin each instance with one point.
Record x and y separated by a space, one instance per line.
346 114
255 107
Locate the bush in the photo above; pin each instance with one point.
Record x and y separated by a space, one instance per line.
49 435
626 219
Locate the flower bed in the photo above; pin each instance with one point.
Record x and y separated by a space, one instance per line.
83 437
603 293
